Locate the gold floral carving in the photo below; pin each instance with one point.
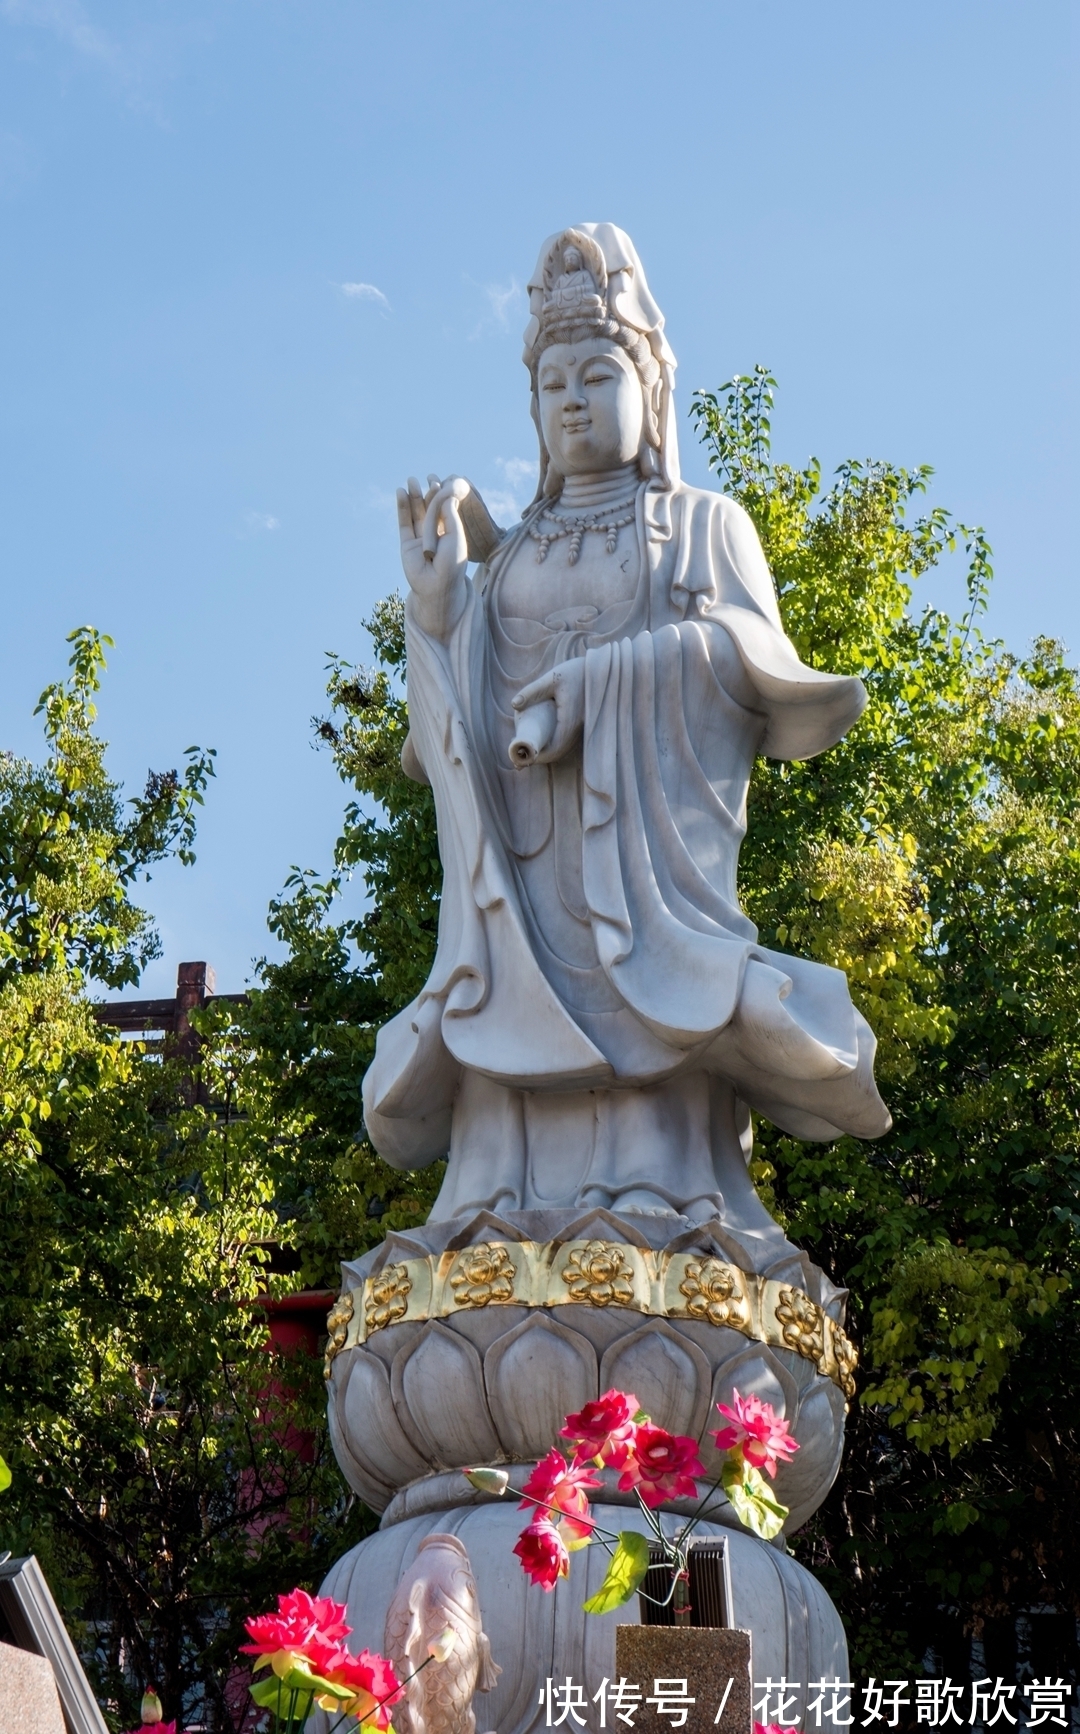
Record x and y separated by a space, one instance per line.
388 1296
847 1359
600 1275
485 1273
802 1324
709 1289
338 1320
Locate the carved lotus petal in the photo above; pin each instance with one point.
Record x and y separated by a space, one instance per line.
757 1372
536 1374
438 1387
367 1425
668 1374
803 1483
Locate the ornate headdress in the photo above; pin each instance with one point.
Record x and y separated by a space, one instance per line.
588 282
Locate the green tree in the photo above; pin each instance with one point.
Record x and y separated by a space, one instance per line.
171 1472
934 855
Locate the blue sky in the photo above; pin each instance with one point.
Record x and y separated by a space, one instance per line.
260 259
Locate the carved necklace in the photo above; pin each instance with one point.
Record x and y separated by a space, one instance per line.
577 526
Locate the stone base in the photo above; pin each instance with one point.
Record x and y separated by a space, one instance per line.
536 1635
29 1701
714 1663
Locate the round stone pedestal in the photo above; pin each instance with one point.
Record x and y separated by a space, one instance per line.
795 1630
468 1342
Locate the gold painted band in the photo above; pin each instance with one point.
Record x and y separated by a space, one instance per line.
595 1273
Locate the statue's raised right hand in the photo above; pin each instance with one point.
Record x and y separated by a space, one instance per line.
434 552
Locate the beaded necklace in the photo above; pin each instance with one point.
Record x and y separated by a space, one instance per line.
603 521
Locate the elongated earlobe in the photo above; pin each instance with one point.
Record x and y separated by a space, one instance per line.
552 480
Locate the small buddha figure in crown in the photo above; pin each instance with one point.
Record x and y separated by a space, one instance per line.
574 289
587 704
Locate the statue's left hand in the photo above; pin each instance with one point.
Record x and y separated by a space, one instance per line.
565 686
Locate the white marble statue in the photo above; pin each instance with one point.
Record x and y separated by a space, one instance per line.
587 705
435 1593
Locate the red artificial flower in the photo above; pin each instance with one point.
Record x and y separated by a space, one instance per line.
299 1619
558 1487
661 1465
603 1430
307 1631
542 1553
758 1432
375 1685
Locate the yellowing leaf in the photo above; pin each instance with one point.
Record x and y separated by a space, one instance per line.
627 1568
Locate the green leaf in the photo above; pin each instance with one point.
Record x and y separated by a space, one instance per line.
628 1566
275 1694
5 1476
748 1492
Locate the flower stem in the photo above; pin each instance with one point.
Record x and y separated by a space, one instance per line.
544 1504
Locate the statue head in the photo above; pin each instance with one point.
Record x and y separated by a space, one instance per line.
591 402
596 328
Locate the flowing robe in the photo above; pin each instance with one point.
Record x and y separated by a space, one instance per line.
600 1015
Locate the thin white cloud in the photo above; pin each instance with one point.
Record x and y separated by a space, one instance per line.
507 305
258 523
379 499
518 471
365 292
67 20
131 65
504 299
506 503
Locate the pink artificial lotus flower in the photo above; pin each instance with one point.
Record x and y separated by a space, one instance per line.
158 1727
542 1553
306 1629
772 1727
560 1489
661 1465
375 1685
603 1430
759 1433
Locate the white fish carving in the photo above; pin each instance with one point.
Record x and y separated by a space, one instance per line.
438 1591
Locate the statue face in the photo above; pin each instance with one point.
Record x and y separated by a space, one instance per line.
591 408
571 260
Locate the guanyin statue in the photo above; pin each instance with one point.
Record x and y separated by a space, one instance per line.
586 706
587 693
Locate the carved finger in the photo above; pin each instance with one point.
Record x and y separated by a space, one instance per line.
446 498
405 515
535 691
418 504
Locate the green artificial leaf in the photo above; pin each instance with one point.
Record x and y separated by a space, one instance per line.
5 1476
325 1688
274 1694
748 1492
627 1567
